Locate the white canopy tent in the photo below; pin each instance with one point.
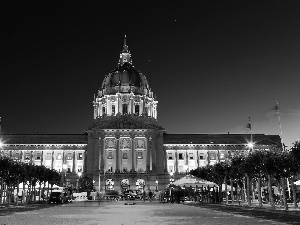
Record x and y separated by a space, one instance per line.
194 182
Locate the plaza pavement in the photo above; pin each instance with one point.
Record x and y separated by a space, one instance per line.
144 213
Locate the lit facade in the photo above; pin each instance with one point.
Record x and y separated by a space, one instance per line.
125 147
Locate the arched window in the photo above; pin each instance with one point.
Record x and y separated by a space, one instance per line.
113 109
125 109
137 109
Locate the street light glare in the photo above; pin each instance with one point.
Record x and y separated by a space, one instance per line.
250 145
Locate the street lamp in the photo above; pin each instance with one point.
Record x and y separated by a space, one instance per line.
156 182
186 168
65 170
250 145
171 182
79 175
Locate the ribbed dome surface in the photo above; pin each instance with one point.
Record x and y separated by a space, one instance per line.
125 78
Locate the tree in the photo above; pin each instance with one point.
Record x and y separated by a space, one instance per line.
294 168
85 184
4 171
219 174
256 160
269 170
237 171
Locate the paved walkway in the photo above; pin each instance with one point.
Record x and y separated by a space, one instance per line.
146 213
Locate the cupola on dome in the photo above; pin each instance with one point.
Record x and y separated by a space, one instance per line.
125 78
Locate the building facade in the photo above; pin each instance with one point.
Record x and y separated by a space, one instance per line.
125 147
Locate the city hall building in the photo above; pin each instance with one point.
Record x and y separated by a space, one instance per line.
125 147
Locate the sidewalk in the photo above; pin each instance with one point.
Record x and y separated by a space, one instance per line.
243 207
7 209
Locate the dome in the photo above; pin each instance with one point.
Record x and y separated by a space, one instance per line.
125 78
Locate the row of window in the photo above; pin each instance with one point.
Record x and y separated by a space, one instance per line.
124 155
48 156
124 107
212 156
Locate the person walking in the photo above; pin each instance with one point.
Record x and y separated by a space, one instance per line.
150 195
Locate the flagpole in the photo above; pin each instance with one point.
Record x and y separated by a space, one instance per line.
250 130
279 122
251 138
282 143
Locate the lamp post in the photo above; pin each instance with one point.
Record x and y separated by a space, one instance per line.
183 187
171 182
156 187
77 184
65 170
186 167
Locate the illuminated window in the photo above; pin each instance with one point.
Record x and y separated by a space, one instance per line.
201 156
48 156
69 156
212 156
113 109
17 155
180 156
139 154
80 156
137 109
109 155
222 155
38 156
27 156
170 156
58 156
125 109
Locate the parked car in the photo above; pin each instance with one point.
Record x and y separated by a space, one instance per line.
129 195
183 199
59 197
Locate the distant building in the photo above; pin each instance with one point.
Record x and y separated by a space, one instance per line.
125 146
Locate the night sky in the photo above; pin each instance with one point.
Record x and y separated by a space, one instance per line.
211 64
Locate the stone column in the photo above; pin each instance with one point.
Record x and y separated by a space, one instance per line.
120 104
117 153
74 169
108 107
133 155
176 162
104 156
42 158
99 109
187 159
153 155
150 149
53 161
101 153
95 112
197 159
148 155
